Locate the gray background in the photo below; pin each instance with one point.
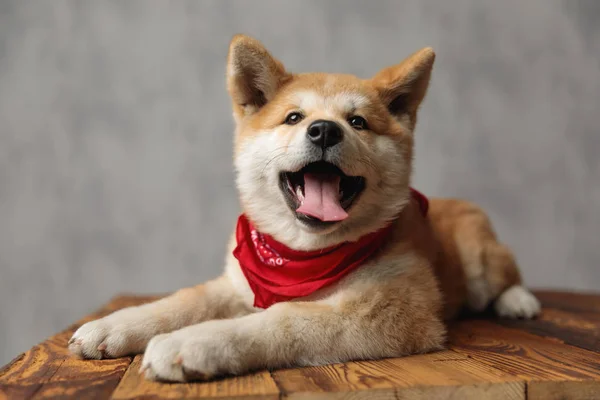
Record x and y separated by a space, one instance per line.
115 133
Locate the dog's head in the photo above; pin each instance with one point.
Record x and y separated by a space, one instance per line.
322 158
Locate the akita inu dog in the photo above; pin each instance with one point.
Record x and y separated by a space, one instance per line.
335 256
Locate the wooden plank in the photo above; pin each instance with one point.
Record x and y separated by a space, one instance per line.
546 364
521 353
570 301
554 357
254 386
570 390
48 369
439 375
581 330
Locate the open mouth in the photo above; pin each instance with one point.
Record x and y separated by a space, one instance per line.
320 193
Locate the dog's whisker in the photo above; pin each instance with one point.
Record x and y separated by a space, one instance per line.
367 162
271 161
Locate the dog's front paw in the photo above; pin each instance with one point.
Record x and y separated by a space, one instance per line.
198 352
119 334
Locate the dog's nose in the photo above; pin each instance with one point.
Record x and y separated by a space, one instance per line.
324 133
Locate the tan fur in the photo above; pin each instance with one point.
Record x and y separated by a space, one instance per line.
394 305
471 252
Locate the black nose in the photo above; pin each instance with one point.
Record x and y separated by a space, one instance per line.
324 133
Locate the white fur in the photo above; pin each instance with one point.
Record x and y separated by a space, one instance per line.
517 302
204 348
334 105
237 278
478 293
124 332
128 331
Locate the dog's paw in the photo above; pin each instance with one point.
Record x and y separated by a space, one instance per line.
116 335
198 352
517 302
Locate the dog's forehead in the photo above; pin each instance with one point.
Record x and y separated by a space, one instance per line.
347 101
341 93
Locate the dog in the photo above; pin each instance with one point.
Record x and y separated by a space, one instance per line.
335 257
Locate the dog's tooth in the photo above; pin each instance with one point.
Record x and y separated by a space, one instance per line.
299 193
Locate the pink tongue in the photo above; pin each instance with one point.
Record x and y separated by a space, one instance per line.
322 197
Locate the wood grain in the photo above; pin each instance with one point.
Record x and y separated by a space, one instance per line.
570 301
529 357
255 386
430 376
580 330
569 390
48 370
554 357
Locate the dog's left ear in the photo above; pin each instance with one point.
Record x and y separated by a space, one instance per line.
253 75
402 87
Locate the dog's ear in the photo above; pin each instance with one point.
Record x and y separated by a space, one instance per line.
402 87
253 75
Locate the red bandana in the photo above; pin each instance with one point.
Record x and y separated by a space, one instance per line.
277 273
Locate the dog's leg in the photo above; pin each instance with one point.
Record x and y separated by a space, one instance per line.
512 299
490 270
128 331
294 334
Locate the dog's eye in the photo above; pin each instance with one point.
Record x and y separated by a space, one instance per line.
358 123
293 118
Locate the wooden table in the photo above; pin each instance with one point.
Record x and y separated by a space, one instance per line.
554 357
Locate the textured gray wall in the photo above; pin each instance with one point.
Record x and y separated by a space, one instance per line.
115 132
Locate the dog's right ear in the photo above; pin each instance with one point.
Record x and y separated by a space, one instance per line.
253 75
